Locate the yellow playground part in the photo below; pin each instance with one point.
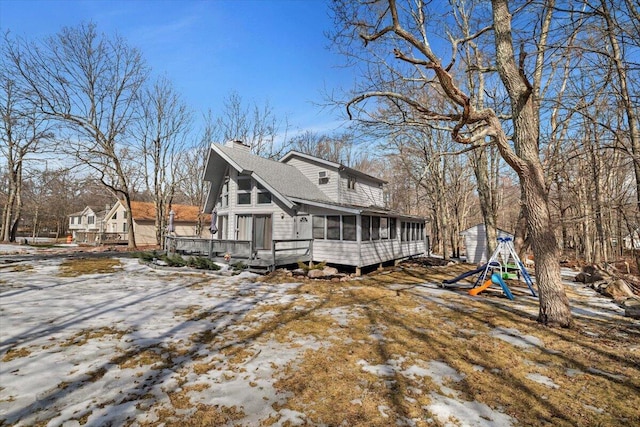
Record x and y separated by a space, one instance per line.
477 290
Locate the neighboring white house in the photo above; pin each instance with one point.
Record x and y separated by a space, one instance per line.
87 224
187 221
475 242
305 197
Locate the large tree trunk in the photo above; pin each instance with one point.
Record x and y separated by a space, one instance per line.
554 304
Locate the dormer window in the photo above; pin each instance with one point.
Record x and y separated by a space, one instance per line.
323 177
351 182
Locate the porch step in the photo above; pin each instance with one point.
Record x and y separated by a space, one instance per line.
259 269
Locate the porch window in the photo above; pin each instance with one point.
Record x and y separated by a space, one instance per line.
318 227
384 228
264 197
349 227
393 232
244 190
333 227
125 227
375 228
366 228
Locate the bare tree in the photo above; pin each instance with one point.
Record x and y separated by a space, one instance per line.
191 186
404 31
253 124
89 83
162 131
24 133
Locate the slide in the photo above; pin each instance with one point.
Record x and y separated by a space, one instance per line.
476 291
495 278
463 275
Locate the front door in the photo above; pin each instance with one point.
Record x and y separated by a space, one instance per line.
302 227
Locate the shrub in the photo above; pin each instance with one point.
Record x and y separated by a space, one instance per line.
306 267
238 266
174 261
202 263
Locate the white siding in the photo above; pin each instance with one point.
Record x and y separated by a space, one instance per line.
366 193
336 252
310 171
116 225
282 222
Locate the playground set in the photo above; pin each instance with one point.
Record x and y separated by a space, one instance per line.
503 264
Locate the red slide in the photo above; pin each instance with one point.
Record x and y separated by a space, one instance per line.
476 291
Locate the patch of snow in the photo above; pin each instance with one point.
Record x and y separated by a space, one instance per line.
573 372
515 337
606 374
289 417
452 413
594 409
148 311
379 370
382 409
542 379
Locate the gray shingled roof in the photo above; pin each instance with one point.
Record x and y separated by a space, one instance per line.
285 179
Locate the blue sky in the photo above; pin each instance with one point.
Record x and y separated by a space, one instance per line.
271 50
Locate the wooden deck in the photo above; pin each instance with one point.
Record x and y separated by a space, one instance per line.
283 252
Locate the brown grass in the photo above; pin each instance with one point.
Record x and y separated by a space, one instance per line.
15 353
330 386
16 268
79 266
84 336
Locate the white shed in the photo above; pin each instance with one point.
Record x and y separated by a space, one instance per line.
475 242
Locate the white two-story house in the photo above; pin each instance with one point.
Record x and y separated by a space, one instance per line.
304 197
87 224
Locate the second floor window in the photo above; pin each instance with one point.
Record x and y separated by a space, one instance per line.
351 182
91 220
264 197
244 190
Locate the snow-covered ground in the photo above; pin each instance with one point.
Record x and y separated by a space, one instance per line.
115 349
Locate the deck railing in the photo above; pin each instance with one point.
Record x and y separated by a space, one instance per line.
282 252
210 248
